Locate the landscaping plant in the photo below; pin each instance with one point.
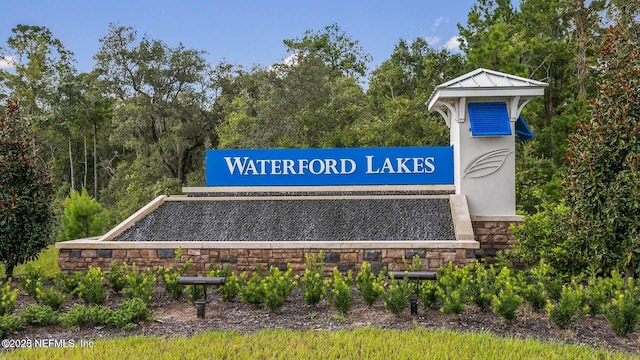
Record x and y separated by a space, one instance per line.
42 315
623 313
140 284
428 293
252 290
116 276
51 297
599 293
231 287
397 298
371 287
91 289
31 280
68 283
9 323
169 276
277 287
452 288
339 291
482 285
569 307
8 299
312 283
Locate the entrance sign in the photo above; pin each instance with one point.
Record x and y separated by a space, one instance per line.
334 166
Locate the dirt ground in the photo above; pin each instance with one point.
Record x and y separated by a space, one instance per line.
178 318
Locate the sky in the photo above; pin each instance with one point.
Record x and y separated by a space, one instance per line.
242 32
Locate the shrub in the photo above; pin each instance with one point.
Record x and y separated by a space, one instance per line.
599 293
69 283
398 297
452 287
229 290
8 299
428 292
91 289
251 290
130 311
9 324
371 287
482 286
170 276
140 284
194 293
506 302
312 283
77 315
534 294
40 315
51 297
32 280
117 276
569 307
339 291
623 313
277 287
82 217
99 315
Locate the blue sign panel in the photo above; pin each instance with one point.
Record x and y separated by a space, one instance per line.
343 166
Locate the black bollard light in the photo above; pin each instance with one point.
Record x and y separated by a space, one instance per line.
200 308
413 302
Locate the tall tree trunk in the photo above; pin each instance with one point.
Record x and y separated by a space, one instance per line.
73 175
86 164
95 161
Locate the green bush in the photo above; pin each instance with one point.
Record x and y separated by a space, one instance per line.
506 302
599 293
429 293
371 287
339 291
40 315
9 324
452 288
194 292
130 311
68 283
8 299
99 315
623 313
169 276
397 298
117 276
76 316
277 287
92 287
252 290
140 284
534 294
51 297
482 286
312 282
231 287
32 279
569 307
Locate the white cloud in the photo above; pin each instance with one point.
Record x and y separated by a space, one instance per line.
452 44
7 62
439 21
433 40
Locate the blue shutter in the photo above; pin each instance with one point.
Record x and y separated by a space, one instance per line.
489 119
522 130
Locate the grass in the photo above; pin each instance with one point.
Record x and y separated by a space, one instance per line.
47 261
364 343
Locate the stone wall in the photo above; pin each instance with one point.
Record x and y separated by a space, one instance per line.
246 259
494 235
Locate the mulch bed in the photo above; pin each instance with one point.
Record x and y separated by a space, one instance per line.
178 318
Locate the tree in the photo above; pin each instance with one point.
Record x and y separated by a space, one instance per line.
163 97
26 191
82 217
602 186
334 47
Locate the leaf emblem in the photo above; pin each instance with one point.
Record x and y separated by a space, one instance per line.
488 163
